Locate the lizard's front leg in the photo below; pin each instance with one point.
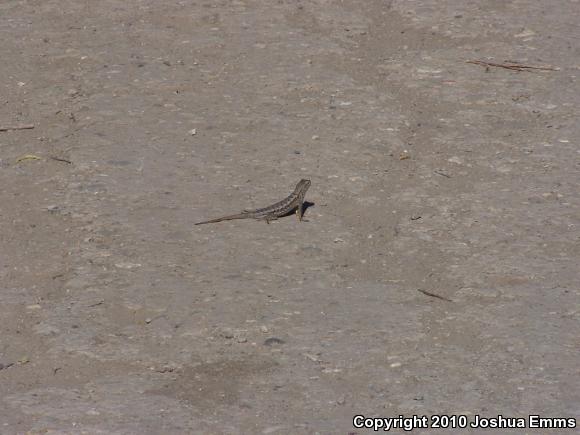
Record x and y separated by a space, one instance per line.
300 211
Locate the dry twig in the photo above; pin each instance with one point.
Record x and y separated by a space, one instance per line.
511 66
443 174
58 159
433 295
16 127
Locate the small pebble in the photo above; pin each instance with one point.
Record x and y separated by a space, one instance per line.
227 333
272 429
331 370
273 341
127 265
311 357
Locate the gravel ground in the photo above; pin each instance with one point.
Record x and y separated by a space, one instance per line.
437 273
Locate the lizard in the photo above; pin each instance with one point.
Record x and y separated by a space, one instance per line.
295 201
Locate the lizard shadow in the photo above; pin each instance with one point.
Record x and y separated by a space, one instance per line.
306 205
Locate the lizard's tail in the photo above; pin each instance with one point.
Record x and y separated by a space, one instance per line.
225 218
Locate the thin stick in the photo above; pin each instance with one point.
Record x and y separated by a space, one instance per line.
511 66
433 295
16 127
58 159
443 174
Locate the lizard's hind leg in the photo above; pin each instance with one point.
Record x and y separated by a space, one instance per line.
269 218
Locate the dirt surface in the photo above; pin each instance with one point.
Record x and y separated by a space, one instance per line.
428 173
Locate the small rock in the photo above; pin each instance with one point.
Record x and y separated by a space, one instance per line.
193 131
167 368
227 333
526 33
273 341
311 357
273 429
33 307
127 265
53 208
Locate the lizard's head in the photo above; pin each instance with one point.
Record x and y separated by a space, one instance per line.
303 184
